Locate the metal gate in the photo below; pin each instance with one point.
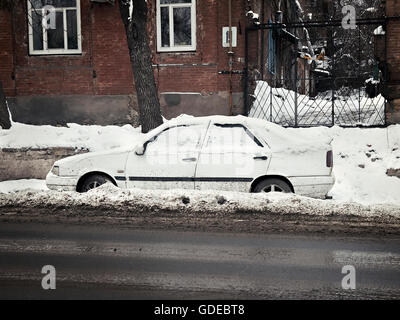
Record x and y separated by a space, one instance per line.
316 73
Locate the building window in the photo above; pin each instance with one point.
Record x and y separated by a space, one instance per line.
176 25
54 27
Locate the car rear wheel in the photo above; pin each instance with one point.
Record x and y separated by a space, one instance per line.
272 185
93 182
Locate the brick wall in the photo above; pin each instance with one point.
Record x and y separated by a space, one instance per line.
104 69
110 52
103 51
198 71
6 53
393 62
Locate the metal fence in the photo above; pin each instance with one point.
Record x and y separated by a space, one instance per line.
338 84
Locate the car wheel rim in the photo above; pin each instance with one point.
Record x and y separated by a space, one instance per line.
272 188
93 185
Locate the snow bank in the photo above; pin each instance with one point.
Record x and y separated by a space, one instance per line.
94 138
21 185
108 197
361 159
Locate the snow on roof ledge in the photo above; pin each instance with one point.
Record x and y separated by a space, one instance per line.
321 71
379 31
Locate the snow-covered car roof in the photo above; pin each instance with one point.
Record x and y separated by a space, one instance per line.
277 137
251 122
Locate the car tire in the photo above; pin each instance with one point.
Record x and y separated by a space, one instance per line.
272 185
93 182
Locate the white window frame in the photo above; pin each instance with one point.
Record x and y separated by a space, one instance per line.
173 47
47 51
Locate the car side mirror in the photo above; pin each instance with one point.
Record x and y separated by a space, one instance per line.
139 150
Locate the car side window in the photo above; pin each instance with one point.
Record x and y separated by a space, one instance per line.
177 139
231 137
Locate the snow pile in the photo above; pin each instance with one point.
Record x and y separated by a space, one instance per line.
379 31
94 138
252 15
278 104
372 81
135 201
21 185
298 7
361 160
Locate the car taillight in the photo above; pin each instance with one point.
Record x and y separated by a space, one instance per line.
329 159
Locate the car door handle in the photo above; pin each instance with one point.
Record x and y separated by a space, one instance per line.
189 159
260 158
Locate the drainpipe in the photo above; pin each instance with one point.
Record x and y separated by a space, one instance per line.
262 39
278 60
230 53
14 55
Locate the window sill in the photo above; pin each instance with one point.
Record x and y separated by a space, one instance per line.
183 49
56 53
188 52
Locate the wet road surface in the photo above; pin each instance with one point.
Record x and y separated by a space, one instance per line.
111 262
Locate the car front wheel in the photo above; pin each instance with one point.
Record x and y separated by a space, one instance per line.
93 182
272 185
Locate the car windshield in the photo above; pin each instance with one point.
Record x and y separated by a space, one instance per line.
177 139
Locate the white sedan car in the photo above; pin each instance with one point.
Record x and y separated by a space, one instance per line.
218 153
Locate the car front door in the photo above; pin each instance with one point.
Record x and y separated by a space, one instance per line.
169 159
231 158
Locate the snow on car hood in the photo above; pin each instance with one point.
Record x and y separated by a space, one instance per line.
85 156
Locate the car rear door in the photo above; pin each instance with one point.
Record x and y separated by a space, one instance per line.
231 158
169 160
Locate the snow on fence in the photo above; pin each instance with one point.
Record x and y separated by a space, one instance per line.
344 107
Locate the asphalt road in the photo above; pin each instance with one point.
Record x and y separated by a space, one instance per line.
111 262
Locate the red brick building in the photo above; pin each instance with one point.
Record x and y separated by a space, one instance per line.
80 71
87 77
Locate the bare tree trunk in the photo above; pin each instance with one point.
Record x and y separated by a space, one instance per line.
139 52
4 115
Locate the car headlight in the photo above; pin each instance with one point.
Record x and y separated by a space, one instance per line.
55 170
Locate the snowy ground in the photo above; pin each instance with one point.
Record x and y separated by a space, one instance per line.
21 185
361 159
134 201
